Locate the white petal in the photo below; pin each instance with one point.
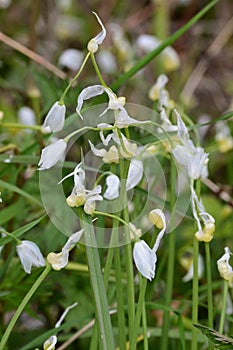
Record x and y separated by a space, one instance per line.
145 259
89 206
161 233
29 255
86 94
55 118
135 174
73 239
97 152
123 120
98 39
71 58
50 343
113 185
52 154
147 42
58 260
26 116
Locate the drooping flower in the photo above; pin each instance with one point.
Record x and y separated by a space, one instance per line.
144 259
50 343
169 57
186 260
204 234
193 160
26 116
80 195
94 43
59 260
71 58
224 267
113 185
55 118
134 176
52 154
223 136
122 118
29 255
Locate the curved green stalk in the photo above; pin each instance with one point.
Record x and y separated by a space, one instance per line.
102 309
224 306
22 306
171 263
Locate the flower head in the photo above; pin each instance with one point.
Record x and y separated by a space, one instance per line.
29 255
80 195
94 43
225 268
59 260
55 118
52 154
204 234
71 58
144 259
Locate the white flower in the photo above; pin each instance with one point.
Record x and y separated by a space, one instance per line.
26 116
193 160
166 123
56 117
157 91
94 43
122 119
60 260
144 259
135 174
204 234
50 343
169 57
52 154
189 275
110 156
29 255
157 218
225 268
223 136
113 185
80 195
106 61
71 58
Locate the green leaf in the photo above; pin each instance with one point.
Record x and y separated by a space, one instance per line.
169 41
21 231
18 190
220 341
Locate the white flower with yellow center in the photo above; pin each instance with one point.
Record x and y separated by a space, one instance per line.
94 43
224 268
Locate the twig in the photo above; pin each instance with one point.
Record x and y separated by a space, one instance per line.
203 64
80 332
32 55
218 191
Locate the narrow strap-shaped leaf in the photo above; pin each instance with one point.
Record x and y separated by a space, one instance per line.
169 41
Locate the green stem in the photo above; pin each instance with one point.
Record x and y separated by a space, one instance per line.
128 252
102 309
22 306
20 126
140 305
98 71
195 293
18 241
169 41
74 79
209 285
171 262
111 216
144 326
224 306
120 301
